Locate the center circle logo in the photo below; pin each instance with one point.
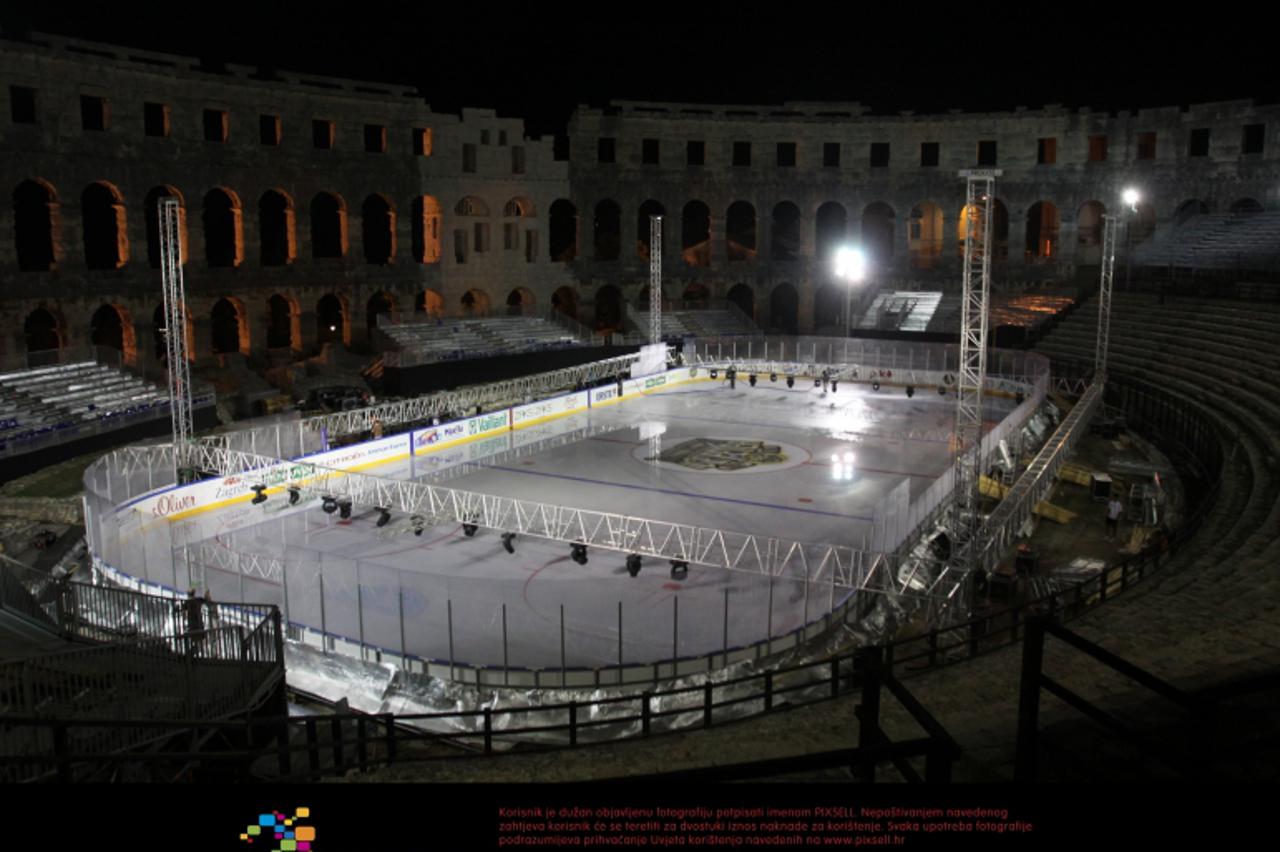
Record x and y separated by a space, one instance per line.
722 455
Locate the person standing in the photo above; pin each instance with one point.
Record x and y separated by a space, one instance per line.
1114 510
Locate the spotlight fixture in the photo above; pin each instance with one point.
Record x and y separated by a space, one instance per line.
910 391
578 552
791 381
330 505
418 524
633 564
751 379
773 377
344 509
469 529
295 494
679 569
875 386
259 494
384 518
507 538
714 372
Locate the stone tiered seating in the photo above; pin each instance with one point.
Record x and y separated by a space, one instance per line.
1217 241
457 338
699 323
42 402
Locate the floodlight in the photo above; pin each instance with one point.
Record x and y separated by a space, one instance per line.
714 372
633 564
344 509
259 494
851 264
910 391
384 518
329 504
295 494
469 529
875 386
1131 197
773 377
578 552
506 542
679 569
791 381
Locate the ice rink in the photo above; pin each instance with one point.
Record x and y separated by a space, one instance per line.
800 464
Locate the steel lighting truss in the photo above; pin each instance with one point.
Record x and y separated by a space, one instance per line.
980 192
655 279
452 404
1110 227
846 567
175 327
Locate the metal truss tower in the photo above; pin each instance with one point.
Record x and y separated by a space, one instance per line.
1110 229
175 330
971 376
655 279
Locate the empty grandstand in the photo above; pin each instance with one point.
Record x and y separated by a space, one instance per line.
679 321
458 338
1242 239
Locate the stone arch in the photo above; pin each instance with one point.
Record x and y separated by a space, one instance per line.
565 300
1089 223
277 228
643 229
111 327
521 301
519 208
44 331
106 238
1188 210
563 237
151 219
696 295
328 225
378 230
158 335
284 323
642 298
223 235
37 225
784 308
333 319
229 326
471 205
1043 226
830 231
426 229
608 308
1246 206
475 302
784 243
1141 224
829 305
745 298
381 303
877 233
999 229
606 229
740 232
429 302
695 233
924 235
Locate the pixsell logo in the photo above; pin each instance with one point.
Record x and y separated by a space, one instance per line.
278 832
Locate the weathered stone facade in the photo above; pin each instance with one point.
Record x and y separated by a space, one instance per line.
476 208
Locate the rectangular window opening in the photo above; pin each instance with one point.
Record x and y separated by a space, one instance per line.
606 149
928 154
1199 143
468 157
1254 139
1047 151
987 152
215 125
322 134
269 129
742 153
155 119
879 155
1097 149
22 105
786 154
696 154
421 142
649 152
375 139
831 155
93 112
1146 146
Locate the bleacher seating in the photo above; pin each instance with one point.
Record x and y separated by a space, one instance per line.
698 323
454 338
1216 241
41 402
896 310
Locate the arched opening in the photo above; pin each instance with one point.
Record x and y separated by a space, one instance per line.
695 234
784 309
642 298
1089 223
35 225
1246 206
328 226
607 230
43 331
151 218
1141 224
276 229
830 231
740 232
283 323
158 335
475 303
877 233
429 302
565 301
520 301
1188 210
924 235
379 305
644 229
784 243
230 327
608 308
426 229
378 230
828 306
111 327
332 325
743 296
106 243
223 240
696 296
999 229
1042 230
563 238
516 210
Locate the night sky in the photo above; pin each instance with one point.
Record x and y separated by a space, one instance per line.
538 59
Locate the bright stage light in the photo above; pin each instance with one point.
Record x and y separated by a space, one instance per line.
851 264
1131 196
848 457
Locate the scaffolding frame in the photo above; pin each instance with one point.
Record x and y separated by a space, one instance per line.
655 279
175 328
1110 231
